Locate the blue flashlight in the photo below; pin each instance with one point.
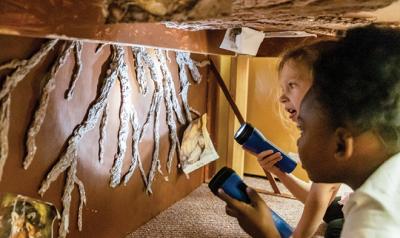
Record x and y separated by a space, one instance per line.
233 185
253 140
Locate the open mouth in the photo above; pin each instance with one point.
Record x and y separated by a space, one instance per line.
292 113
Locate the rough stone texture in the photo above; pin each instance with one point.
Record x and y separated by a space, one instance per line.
316 16
161 10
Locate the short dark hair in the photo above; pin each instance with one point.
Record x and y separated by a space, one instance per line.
358 81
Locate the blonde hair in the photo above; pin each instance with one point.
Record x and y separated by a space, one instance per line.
306 55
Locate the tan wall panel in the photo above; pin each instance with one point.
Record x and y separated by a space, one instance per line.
222 115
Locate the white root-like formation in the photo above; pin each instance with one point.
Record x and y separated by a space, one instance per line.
77 69
135 160
157 94
147 62
82 202
124 117
72 179
168 57
184 85
103 133
69 157
22 69
183 59
141 68
66 199
155 163
168 80
154 113
87 125
12 64
49 86
171 103
100 47
19 74
192 65
4 127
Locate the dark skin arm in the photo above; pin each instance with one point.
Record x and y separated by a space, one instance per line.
254 218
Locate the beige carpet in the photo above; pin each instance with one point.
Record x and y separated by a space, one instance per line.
201 214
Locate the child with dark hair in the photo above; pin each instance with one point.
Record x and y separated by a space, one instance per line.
350 133
295 79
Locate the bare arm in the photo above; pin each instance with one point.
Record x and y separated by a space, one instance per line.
297 187
318 200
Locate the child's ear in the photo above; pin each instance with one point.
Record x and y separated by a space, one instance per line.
344 144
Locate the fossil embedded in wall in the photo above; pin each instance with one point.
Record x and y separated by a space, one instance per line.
162 10
197 148
26 217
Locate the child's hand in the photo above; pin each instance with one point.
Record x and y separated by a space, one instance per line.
255 218
267 160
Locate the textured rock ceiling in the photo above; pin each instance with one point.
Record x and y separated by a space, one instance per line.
314 16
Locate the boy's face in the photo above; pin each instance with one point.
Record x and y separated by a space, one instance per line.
316 143
295 80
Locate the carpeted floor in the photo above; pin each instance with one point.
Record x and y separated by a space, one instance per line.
201 214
